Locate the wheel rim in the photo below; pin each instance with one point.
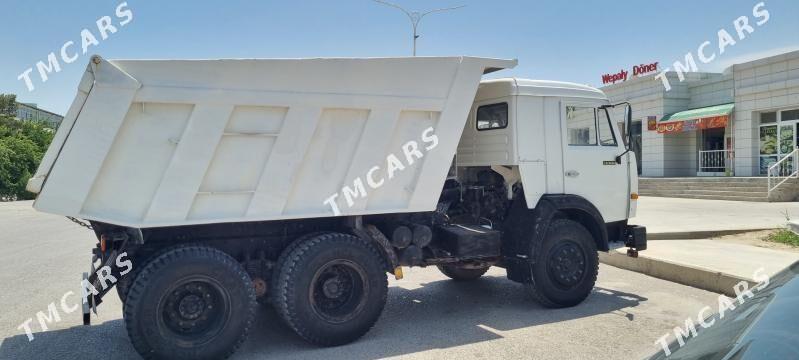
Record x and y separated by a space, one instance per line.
338 291
566 264
194 309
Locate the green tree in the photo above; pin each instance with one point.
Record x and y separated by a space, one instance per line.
8 104
22 145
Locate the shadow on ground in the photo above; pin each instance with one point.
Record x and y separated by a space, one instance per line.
437 315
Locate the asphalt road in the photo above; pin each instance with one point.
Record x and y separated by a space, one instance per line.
427 316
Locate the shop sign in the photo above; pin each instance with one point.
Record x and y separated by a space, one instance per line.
690 125
693 124
622 75
671 127
715 122
644 69
651 123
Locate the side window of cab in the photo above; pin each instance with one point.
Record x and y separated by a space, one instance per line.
492 116
589 126
581 126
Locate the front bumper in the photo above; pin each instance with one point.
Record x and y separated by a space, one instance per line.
635 237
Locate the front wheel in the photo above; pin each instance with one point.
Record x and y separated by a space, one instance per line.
331 288
190 302
566 265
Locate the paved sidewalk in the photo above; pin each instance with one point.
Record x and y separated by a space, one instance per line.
713 265
679 248
673 215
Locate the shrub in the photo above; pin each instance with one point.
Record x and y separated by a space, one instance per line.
22 145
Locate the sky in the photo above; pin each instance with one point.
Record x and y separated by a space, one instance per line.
575 41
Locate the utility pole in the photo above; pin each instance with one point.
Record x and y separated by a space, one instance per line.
416 17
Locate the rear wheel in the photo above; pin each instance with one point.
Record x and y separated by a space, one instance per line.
566 265
125 281
457 273
331 288
191 302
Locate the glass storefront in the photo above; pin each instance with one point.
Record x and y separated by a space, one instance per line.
778 136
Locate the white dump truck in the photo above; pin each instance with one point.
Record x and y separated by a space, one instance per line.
215 185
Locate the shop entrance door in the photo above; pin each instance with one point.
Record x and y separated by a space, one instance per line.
713 157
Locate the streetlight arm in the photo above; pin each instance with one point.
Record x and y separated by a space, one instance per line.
439 10
395 6
415 16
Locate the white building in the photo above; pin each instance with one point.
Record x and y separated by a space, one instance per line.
31 112
735 123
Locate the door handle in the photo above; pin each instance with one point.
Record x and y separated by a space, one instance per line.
572 173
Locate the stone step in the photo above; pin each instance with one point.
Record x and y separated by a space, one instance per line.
708 192
719 188
715 197
762 192
688 181
715 188
741 187
703 185
706 178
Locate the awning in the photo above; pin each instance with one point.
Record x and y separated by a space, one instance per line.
703 118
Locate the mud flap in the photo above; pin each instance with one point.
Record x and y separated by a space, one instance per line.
87 316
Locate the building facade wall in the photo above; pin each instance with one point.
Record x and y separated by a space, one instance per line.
765 85
30 112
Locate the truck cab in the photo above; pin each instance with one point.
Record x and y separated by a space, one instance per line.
561 138
533 153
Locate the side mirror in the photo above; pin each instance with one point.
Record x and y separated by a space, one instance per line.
628 129
628 125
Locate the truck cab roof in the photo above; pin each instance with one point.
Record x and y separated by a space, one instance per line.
496 88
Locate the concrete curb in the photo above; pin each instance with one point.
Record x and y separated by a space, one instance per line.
697 277
793 225
701 234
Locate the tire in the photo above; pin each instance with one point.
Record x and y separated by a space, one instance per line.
125 281
266 300
566 265
462 274
330 289
123 285
190 302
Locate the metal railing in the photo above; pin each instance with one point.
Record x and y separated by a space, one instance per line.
783 170
714 160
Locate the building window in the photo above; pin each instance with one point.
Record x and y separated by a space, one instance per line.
492 117
768 118
768 147
777 141
789 115
581 125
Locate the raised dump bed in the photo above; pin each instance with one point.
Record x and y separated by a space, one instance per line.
150 143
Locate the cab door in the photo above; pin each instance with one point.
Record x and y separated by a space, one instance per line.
590 170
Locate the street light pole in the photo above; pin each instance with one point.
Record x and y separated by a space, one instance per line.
416 17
